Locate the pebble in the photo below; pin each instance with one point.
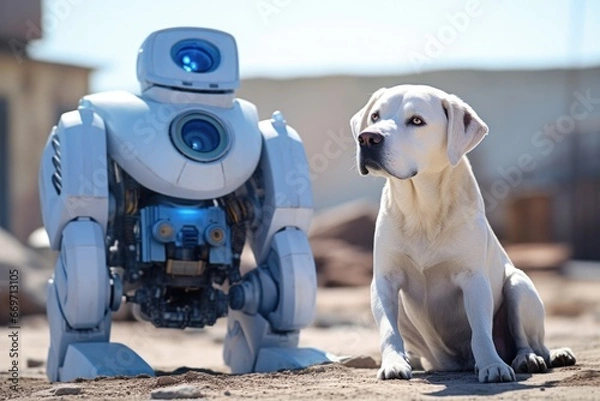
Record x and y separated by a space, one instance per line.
165 380
66 390
191 375
34 363
360 362
176 392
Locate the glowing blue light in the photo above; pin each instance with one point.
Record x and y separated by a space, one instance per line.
196 56
188 212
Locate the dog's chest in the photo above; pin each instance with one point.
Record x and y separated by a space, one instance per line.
423 252
428 269
434 305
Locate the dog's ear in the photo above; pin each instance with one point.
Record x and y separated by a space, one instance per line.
359 121
465 128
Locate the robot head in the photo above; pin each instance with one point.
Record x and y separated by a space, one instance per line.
193 59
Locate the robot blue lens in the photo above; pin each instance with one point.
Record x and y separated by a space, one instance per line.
196 56
199 136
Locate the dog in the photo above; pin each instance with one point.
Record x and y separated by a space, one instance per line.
445 295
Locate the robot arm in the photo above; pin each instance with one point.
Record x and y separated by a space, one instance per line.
75 201
277 299
74 195
284 176
73 177
280 241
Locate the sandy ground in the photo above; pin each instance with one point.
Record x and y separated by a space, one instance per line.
344 327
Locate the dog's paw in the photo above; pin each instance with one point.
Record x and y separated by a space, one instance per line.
529 363
497 372
562 357
394 367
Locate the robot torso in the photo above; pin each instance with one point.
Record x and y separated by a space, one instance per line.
154 143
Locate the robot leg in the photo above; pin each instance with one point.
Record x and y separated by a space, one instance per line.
270 307
81 295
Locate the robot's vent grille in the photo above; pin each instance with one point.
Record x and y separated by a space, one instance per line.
57 176
189 236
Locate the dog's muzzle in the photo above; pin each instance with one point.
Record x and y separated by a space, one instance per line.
370 145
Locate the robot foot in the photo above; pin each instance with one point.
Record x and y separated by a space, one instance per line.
86 353
271 359
90 360
251 346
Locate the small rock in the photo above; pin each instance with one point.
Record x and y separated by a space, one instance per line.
360 362
34 363
176 392
191 375
66 390
227 392
165 380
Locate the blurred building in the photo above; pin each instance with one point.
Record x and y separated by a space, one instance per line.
538 168
33 94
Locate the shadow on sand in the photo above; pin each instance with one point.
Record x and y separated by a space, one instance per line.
467 383
184 369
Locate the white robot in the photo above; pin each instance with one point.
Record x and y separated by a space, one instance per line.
152 197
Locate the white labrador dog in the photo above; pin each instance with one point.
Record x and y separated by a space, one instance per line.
445 295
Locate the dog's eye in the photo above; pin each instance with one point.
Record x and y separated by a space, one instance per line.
375 116
416 120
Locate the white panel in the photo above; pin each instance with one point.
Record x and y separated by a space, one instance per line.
208 177
288 199
85 295
244 155
297 280
139 141
83 170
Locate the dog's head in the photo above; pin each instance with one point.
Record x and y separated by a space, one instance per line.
410 129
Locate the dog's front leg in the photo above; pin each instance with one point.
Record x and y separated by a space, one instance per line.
479 307
384 304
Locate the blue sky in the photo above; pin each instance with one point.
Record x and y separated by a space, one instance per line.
286 38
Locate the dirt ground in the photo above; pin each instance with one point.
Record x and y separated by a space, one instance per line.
344 327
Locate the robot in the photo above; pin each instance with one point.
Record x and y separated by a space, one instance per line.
150 198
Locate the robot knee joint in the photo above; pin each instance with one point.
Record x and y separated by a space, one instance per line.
82 278
284 290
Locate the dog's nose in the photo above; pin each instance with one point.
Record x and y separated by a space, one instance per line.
367 139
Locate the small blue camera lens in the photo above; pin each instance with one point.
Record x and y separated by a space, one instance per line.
194 60
200 136
197 56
